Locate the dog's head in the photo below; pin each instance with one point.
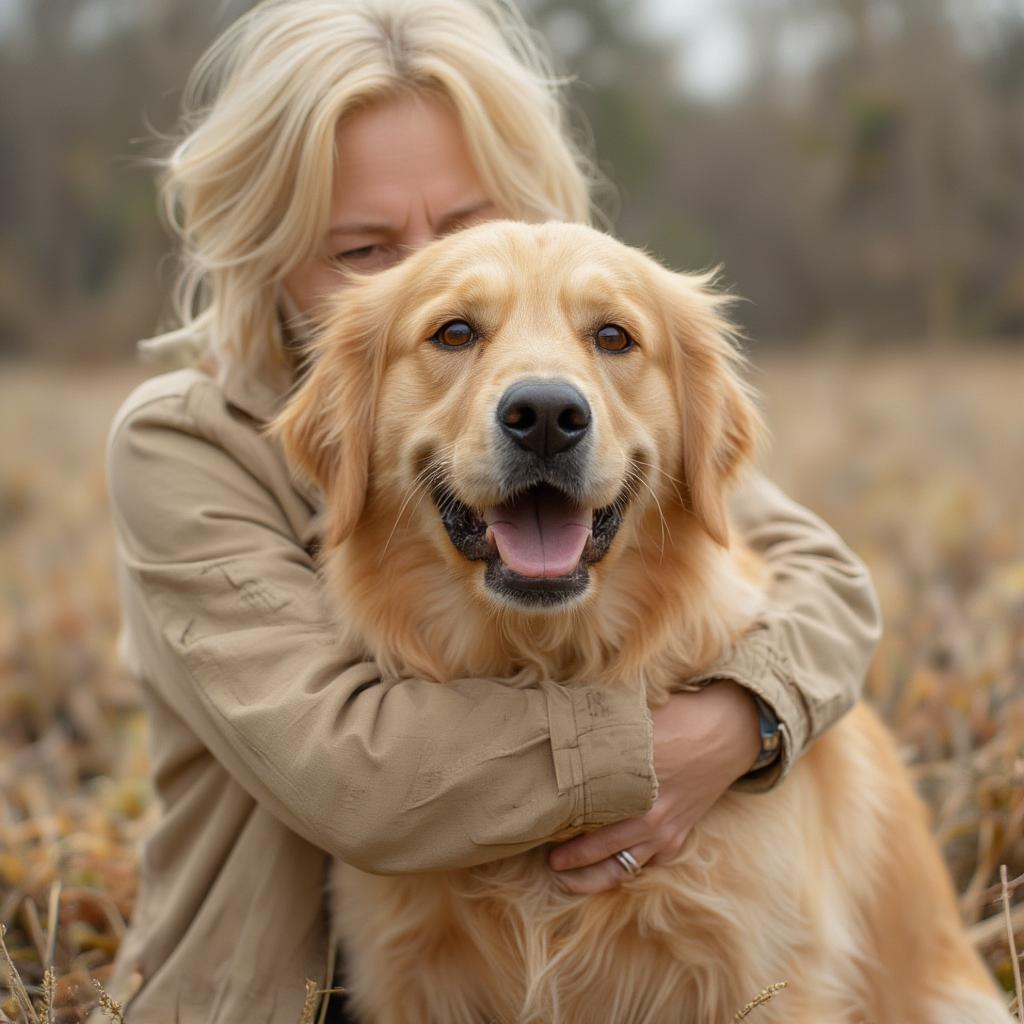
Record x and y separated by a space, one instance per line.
521 395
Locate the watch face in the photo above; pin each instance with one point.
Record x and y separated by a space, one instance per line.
770 735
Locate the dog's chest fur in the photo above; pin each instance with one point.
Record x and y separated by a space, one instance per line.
503 943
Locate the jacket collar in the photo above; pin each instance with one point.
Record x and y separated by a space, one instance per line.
259 383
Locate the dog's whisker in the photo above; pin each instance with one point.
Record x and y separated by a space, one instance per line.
657 469
633 481
666 533
420 483
674 481
420 489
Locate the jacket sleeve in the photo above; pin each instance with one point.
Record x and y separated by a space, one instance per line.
224 620
808 653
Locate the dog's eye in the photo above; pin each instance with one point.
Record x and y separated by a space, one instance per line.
612 338
455 334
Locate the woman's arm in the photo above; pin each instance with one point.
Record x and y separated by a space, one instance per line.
806 657
224 622
808 654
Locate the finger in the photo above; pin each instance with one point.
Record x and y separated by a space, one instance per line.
667 852
603 877
595 847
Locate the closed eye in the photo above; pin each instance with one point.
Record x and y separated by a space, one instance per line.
368 257
355 254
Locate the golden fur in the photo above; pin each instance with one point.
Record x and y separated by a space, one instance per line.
830 882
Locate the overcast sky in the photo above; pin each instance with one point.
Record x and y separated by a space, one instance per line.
714 59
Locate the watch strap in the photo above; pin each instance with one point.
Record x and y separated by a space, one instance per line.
771 737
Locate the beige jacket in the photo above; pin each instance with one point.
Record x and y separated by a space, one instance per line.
272 748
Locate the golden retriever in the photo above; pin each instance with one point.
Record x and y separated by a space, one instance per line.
525 435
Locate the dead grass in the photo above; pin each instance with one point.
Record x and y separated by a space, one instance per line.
914 458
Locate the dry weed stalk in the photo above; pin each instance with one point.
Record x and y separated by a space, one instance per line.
1014 961
110 1008
991 929
15 983
314 1000
49 988
760 999
52 919
310 1003
30 917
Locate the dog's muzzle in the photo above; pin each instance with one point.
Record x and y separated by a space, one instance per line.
540 539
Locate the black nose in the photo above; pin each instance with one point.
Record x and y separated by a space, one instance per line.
544 416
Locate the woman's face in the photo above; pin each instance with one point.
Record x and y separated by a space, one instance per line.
403 178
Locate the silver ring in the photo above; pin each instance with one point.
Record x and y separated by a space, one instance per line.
631 865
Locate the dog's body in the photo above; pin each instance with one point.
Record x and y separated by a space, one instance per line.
525 436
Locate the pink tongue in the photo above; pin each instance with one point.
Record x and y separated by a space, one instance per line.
540 533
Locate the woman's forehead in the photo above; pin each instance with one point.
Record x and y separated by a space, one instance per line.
401 159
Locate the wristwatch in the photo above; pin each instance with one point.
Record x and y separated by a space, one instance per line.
771 737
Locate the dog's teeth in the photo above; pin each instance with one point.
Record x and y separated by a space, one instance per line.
489 538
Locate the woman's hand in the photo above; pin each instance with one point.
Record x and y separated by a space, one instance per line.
703 742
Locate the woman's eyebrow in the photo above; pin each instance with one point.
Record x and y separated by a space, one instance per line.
465 211
375 228
361 229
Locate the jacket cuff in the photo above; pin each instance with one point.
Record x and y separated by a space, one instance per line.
758 665
603 747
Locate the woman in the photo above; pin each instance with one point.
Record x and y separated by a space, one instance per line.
327 134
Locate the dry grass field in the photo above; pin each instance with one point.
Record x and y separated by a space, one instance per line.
916 458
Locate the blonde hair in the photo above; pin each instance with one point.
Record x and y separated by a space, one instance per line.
247 190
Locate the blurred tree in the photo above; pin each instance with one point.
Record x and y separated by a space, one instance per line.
864 182
81 244
622 86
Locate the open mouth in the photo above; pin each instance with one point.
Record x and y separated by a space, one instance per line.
538 544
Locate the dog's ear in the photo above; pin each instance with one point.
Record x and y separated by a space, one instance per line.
327 425
720 423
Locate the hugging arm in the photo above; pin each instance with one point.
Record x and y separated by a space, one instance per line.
808 653
224 623
806 657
